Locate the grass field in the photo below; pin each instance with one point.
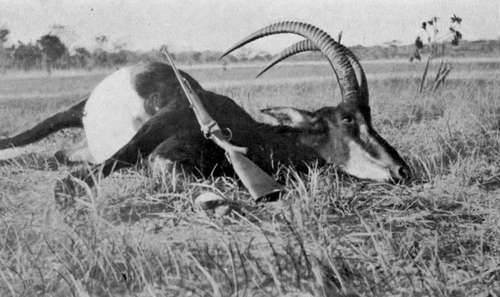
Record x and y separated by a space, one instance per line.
331 235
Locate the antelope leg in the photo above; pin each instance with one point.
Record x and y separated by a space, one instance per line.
71 117
161 126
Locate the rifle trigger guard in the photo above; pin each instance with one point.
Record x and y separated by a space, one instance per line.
228 133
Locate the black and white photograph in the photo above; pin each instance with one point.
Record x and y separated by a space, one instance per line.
250 148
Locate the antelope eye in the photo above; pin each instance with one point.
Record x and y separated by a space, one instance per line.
347 119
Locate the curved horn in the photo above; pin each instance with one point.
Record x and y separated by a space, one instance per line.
306 46
360 74
299 47
334 52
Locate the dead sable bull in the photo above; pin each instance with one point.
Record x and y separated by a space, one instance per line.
141 111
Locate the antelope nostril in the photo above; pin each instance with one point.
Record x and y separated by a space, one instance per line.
403 172
400 173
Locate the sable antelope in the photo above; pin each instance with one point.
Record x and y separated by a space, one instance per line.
140 111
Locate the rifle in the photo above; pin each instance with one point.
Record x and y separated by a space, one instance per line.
258 183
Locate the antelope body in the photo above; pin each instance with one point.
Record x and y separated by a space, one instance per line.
141 111
107 132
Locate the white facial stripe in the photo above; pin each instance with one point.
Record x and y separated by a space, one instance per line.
361 164
363 131
383 155
113 114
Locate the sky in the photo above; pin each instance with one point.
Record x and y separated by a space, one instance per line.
217 24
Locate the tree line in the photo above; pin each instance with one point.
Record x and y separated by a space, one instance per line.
50 52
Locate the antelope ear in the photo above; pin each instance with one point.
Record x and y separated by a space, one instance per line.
289 116
152 104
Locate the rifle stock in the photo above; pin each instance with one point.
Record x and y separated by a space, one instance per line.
258 183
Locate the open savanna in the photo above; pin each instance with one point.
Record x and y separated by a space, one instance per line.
140 233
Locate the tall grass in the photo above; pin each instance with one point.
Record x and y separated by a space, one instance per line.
140 233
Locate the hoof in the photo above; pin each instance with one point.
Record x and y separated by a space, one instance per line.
215 205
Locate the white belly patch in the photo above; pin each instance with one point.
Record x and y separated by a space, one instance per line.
113 114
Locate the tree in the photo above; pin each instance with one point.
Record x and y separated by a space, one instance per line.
196 56
4 57
100 55
436 40
101 41
392 47
65 34
117 58
119 55
82 56
244 54
27 56
4 33
52 49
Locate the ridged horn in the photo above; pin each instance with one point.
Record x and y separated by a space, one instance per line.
299 47
334 52
306 46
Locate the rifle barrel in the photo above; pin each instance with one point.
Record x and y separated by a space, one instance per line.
258 182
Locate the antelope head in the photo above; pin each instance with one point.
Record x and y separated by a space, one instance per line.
343 134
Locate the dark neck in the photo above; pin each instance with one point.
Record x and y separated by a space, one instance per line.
289 146
285 131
